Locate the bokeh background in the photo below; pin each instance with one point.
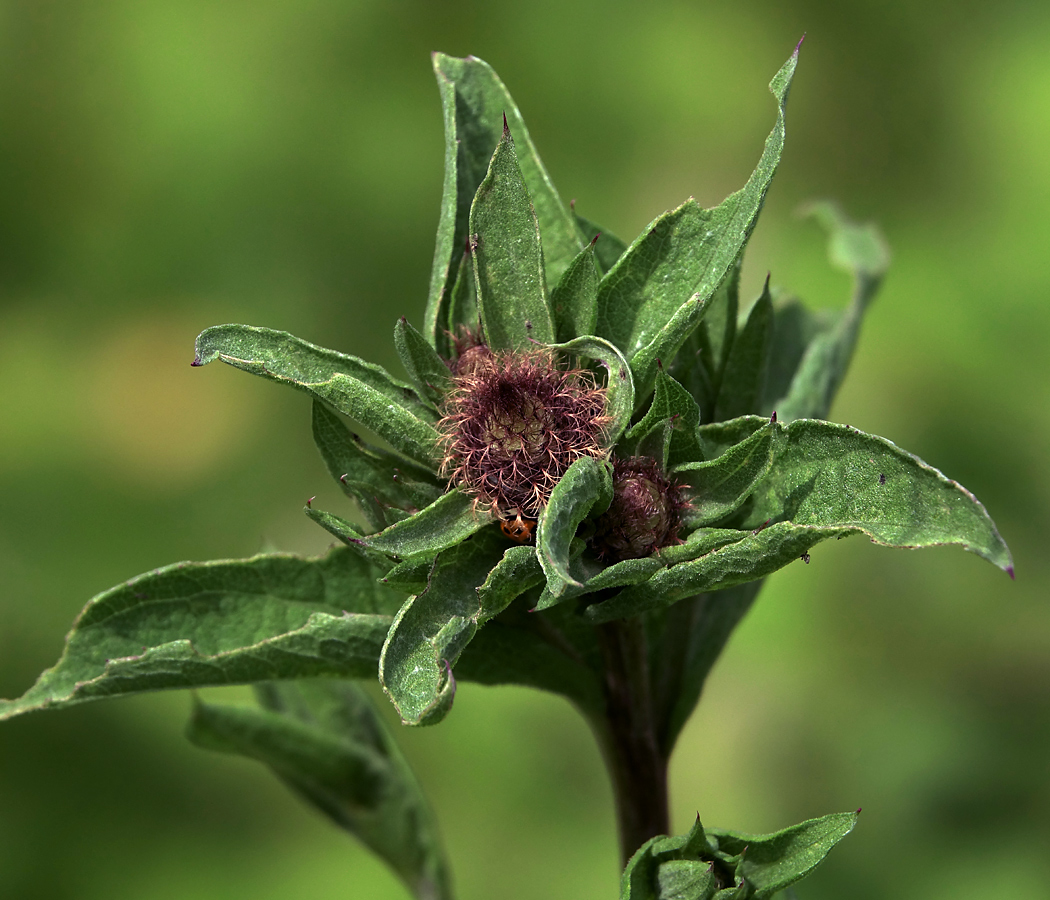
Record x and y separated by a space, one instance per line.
169 165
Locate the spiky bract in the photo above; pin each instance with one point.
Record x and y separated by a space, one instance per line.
645 514
514 423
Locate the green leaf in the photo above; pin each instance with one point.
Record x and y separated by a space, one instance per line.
695 866
671 272
449 520
754 555
326 741
717 437
431 630
833 475
475 102
774 861
619 386
742 383
227 622
699 365
538 650
828 481
573 300
861 250
362 391
585 487
608 248
689 638
508 256
427 370
720 486
379 480
672 404
460 184
463 304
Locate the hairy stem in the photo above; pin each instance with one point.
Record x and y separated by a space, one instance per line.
637 766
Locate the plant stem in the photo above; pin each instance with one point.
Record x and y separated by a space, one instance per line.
628 736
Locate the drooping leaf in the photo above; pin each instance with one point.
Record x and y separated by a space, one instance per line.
619 386
508 256
827 481
672 271
722 864
834 475
393 483
227 622
608 247
862 251
362 391
431 630
475 102
573 300
744 377
720 486
326 741
584 489
427 370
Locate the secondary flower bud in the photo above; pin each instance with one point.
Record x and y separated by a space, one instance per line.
645 514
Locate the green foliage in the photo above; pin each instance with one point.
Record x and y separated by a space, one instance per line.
326 741
433 590
725 865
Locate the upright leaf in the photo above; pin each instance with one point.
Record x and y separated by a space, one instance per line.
861 250
427 370
508 256
674 405
326 741
573 300
608 247
226 622
743 380
475 102
683 258
360 390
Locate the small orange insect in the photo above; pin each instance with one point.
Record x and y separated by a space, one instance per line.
519 528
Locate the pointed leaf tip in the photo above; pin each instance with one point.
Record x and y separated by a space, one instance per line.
798 46
196 361
1010 572
506 127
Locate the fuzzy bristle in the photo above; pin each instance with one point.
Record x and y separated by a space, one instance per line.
513 425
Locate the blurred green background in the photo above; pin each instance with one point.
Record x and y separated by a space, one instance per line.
166 166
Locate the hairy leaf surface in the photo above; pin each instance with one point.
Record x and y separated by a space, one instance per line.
227 622
363 391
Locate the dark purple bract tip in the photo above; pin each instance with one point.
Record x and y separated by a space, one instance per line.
196 361
1010 572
